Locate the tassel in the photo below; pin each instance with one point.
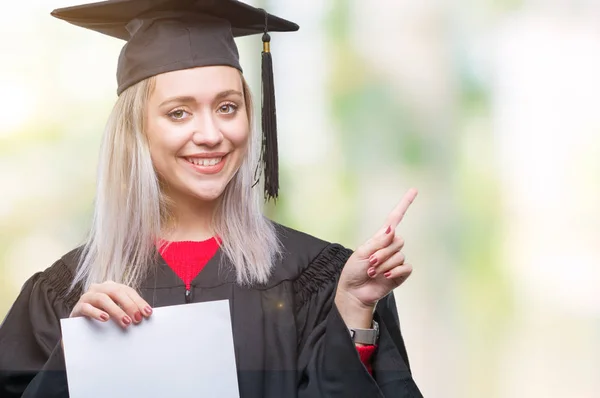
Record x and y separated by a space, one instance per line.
269 123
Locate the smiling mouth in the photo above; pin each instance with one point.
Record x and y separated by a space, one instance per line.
206 162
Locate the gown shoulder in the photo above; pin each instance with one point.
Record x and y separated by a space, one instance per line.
307 260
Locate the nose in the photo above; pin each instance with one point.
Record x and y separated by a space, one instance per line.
207 132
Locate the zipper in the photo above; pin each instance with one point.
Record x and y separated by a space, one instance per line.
188 295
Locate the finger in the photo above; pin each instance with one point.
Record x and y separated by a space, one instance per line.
142 304
382 255
377 242
399 211
104 302
397 260
89 311
399 274
119 295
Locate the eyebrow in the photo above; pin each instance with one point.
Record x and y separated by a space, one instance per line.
186 99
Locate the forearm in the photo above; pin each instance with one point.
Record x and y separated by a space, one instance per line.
51 381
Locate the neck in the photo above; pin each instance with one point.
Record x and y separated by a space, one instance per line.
191 220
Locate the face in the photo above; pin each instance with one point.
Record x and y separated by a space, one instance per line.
198 130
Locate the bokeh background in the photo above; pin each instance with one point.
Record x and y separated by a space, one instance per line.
491 108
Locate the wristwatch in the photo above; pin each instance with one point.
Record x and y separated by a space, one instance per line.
365 336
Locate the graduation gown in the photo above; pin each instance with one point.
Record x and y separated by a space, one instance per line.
289 338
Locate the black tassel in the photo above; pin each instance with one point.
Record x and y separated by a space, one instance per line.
269 151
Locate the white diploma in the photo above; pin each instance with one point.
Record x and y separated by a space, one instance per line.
180 351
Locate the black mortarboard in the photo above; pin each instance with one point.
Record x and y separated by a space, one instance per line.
169 35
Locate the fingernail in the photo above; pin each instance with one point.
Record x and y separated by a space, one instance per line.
148 310
373 260
138 317
371 272
104 317
388 230
388 274
126 320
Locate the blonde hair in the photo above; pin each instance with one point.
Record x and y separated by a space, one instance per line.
131 209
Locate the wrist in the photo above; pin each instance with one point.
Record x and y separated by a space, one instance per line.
354 312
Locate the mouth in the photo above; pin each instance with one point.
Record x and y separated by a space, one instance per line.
205 161
207 165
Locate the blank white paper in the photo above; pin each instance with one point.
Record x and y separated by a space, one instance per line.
180 351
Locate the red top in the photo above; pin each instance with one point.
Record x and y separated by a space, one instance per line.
188 258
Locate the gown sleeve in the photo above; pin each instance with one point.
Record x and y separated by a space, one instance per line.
30 349
328 363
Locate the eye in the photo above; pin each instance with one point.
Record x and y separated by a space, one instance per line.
228 108
178 114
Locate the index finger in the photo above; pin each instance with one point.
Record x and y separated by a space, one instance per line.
400 210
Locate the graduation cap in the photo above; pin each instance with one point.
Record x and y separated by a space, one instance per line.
168 35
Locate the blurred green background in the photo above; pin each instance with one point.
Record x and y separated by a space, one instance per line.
489 108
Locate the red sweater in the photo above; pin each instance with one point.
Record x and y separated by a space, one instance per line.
188 258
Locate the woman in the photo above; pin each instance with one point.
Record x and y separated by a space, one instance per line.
178 220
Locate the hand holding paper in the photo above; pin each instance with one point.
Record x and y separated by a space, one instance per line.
181 351
108 300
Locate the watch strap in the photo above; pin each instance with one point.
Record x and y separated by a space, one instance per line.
365 336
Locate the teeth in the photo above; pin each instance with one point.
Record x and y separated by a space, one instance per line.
204 162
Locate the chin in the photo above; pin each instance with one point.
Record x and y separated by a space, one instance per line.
208 194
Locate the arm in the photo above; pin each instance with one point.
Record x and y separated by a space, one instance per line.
21 354
328 362
51 380
32 360
30 332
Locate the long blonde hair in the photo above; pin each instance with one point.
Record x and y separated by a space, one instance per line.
131 209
